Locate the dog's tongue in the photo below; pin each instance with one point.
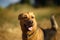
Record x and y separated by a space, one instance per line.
30 28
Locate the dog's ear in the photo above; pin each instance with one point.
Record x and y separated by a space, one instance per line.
20 16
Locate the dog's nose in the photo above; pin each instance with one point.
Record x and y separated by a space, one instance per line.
30 21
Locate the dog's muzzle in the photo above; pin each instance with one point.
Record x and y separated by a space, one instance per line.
28 25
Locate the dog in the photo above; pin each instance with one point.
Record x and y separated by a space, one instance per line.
30 30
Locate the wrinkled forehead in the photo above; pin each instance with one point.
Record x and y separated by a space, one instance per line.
29 14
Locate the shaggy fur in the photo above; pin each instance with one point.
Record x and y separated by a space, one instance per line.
34 34
30 30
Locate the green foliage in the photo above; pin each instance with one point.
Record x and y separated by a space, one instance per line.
27 1
1 9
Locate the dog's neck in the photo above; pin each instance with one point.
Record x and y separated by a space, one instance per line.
32 33
26 35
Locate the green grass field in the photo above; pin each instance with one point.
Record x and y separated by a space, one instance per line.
9 24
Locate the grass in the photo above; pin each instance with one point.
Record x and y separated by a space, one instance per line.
9 24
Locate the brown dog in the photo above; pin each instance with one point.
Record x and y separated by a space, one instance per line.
30 30
29 27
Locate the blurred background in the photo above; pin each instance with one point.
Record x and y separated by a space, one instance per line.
10 9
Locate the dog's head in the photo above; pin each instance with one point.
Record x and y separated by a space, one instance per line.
27 21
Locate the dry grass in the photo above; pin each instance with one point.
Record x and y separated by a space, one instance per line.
9 24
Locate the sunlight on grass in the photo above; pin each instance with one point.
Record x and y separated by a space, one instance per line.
9 24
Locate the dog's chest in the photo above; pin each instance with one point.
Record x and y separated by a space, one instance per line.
36 36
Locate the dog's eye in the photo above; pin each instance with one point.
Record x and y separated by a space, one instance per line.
32 17
25 17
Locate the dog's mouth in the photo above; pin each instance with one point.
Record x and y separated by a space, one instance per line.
28 27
